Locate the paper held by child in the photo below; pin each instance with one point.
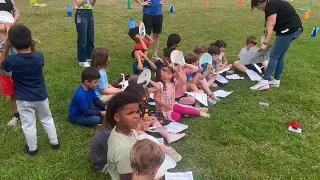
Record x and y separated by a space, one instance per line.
201 97
142 29
222 93
234 77
222 70
255 55
157 129
175 127
253 75
179 176
145 77
221 79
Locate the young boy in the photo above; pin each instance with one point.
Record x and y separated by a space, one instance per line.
31 92
152 19
251 42
7 86
146 159
80 111
123 117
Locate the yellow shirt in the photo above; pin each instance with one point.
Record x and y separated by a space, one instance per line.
87 5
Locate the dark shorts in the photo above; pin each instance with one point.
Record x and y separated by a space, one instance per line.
153 23
178 99
251 67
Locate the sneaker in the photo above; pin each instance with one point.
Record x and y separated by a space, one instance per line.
230 72
274 83
31 153
56 146
84 64
204 114
211 102
13 121
262 85
202 109
214 85
174 137
156 58
215 98
88 61
173 154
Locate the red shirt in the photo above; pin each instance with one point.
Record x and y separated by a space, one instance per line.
139 46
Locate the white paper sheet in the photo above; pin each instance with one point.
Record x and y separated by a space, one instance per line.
161 140
151 95
175 127
221 79
253 75
201 97
152 103
179 176
234 77
298 130
222 93
222 70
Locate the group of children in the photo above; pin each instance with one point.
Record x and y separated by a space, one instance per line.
124 118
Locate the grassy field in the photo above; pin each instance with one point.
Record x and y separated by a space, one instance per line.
240 141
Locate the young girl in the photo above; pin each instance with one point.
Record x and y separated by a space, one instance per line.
222 57
173 43
150 118
165 98
100 61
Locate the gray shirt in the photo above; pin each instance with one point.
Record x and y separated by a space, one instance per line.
99 149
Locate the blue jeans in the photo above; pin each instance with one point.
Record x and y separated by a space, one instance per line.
85 29
90 120
278 51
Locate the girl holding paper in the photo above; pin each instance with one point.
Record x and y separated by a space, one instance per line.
282 18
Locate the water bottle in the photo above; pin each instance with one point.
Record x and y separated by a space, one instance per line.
69 10
132 24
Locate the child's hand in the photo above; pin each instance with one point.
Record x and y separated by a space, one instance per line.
146 3
33 46
103 113
7 44
200 70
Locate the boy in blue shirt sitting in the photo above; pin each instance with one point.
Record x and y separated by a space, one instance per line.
81 110
31 92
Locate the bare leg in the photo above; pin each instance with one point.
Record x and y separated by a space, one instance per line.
205 87
212 80
187 100
155 44
240 67
14 103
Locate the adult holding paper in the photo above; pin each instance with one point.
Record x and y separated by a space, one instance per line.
152 19
85 29
282 18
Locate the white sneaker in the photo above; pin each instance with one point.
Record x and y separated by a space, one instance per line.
274 83
84 64
13 121
202 109
174 137
173 154
262 85
88 60
214 85
230 72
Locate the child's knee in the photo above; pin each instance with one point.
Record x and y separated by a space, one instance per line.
175 116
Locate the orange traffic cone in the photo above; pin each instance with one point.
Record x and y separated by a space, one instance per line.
240 3
207 4
306 16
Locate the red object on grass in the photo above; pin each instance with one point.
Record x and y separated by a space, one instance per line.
294 125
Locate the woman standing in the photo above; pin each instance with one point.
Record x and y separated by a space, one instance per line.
282 18
85 29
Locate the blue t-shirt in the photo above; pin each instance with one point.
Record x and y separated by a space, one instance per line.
191 76
102 84
145 65
27 75
155 9
81 101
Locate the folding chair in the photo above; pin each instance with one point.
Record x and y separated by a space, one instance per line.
306 9
35 4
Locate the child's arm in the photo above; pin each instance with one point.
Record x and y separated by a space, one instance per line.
82 101
155 87
140 66
5 52
110 91
225 61
143 45
196 77
149 39
16 12
190 68
181 76
153 67
157 98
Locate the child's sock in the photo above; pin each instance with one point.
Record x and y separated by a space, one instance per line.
173 154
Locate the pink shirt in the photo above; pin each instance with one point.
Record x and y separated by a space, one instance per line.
168 97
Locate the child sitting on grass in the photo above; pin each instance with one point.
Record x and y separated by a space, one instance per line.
7 86
251 42
30 88
173 43
222 45
100 60
81 110
165 98
146 160
123 117
140 52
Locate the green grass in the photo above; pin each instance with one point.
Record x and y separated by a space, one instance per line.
240 141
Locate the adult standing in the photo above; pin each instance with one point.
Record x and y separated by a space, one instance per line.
6 82
282 18
152 19
85 29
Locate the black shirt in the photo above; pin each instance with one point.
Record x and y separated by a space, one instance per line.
8 6
287 21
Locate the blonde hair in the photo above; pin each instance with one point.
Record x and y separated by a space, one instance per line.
200 49
146 156
100 58
133 79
